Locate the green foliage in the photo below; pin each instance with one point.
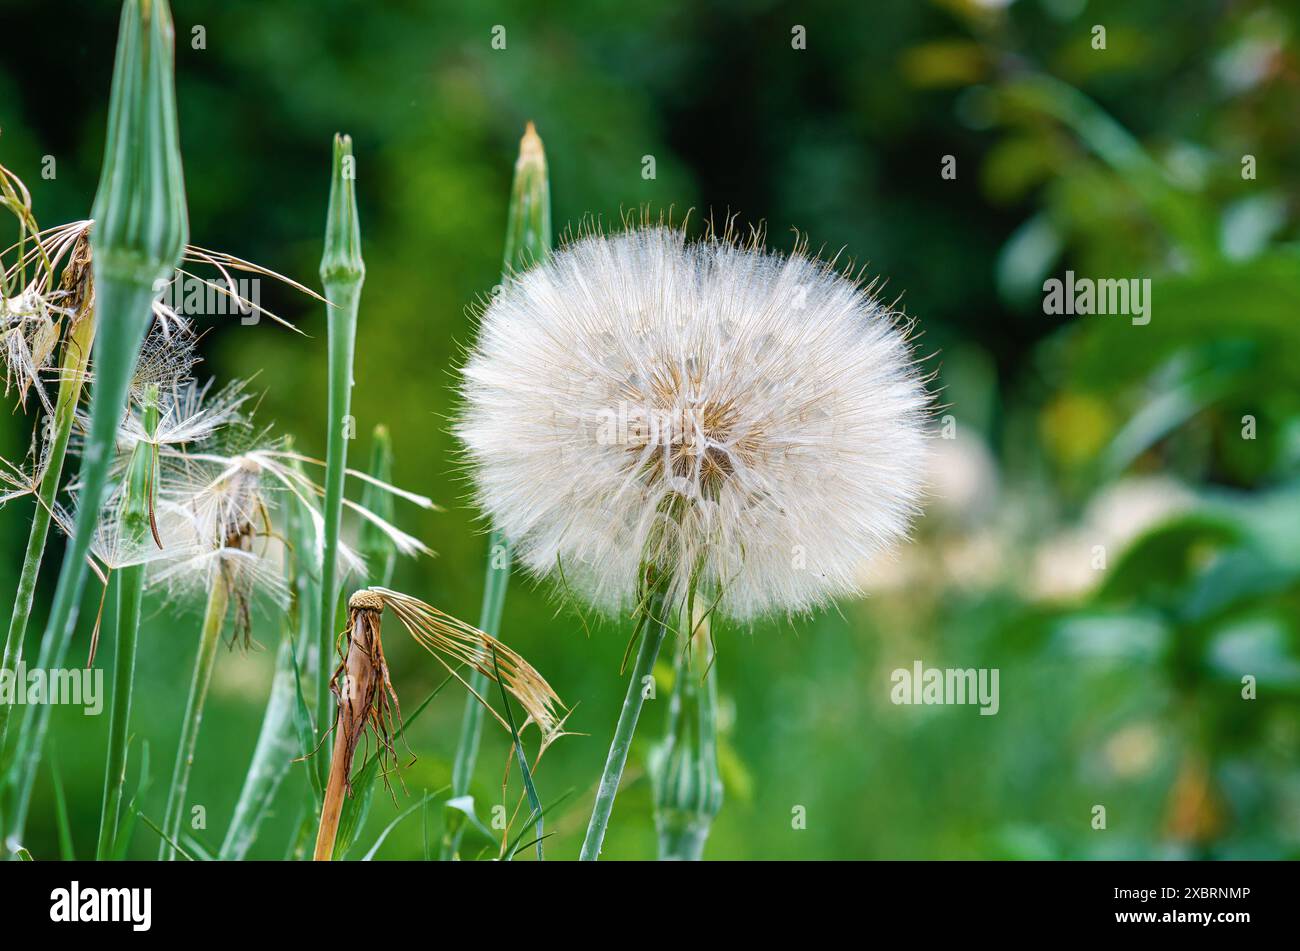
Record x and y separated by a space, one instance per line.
1174 446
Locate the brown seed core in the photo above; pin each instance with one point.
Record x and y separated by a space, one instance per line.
366 600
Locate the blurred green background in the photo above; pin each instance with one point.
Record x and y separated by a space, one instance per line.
1174 446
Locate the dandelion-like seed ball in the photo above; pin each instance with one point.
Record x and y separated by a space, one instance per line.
749 424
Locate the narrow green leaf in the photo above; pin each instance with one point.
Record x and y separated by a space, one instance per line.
516 846
534 802
168 841
66 852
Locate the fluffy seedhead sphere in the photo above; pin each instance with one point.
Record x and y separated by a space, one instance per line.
748 423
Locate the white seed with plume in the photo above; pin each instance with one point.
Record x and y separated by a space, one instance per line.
749 420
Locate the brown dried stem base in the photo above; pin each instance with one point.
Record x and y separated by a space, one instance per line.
363 690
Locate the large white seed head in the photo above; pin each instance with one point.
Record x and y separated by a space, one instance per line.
743 419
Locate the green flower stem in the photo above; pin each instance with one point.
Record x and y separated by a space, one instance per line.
652 637
342 273
76 357
141 485
528 242
140 232
209 637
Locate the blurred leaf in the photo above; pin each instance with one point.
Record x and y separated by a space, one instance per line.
1249 224
1250 301
1017 164
1262 647
1189 383
1184 216
1026 259
949 62
1111 636
1074 427
1236 577
1160 567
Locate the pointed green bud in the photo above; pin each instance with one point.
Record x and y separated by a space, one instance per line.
141 225
341 263
528 223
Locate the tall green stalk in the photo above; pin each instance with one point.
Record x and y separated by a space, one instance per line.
654 626
141 488
72 376
342 272
209 637
528 242
138 238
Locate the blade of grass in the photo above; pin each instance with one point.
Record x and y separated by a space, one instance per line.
306 733
197 848
66 852
167 841
465 806
534 802
515 847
